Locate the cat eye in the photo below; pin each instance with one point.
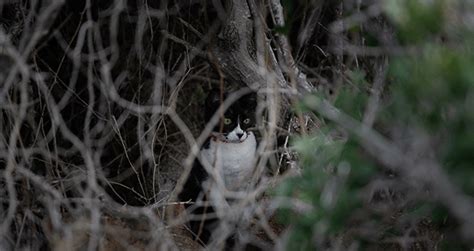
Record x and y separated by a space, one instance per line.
227 121
246 121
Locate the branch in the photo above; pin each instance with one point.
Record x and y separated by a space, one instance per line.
425 171
234 49
289 62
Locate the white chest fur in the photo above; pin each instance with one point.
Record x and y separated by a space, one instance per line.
234 162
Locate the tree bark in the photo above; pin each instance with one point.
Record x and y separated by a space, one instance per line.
232 50
235 48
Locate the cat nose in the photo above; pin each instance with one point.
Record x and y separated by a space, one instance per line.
240 135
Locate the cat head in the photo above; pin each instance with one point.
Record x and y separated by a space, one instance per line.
237 119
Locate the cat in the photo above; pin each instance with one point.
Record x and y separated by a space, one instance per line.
230 153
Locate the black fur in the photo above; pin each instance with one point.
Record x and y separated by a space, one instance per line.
240 111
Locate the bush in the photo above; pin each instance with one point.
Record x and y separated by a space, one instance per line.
359 197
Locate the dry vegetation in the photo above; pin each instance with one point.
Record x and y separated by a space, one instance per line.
101 118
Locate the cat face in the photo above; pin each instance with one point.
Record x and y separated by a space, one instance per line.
237 120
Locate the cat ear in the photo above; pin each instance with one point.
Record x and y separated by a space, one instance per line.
214 97
213 101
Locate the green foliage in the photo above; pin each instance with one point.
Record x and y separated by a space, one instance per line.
328 164
352 97
437 86
416 20
431 91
